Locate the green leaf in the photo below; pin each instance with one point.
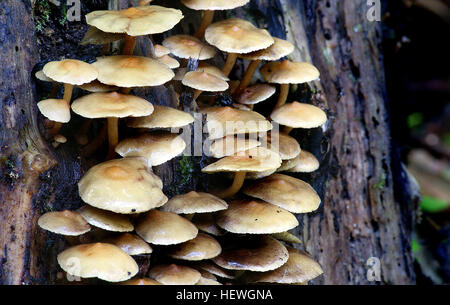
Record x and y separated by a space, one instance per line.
433 205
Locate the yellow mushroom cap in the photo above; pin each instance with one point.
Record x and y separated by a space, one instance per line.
122 185
207 281
214 5
174 274
202 67
59 138
206 223
131 244
64 222
104 261
292 194
288 72
186 46
141 281
194 202
162 117
165 228
96 86
230 145
204 81
132 71
279 49
224 121
307 163
172 63
113 104
70 71
259 175
136 21
257 159
283 144
299 268
255 253
299 115
156 147
160 50
96 36
214 269
237 36
256 94
288 164
41 76
255 217
55 110
106 220
201 247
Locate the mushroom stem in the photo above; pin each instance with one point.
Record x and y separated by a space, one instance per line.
239 178
287 129
207 19
113 136
68 89
284 91
251 69
197 94
130 43
229 64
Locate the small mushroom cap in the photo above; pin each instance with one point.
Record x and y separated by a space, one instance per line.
202 67
256 94
299 268
132 71
299 115
112 104
156 147
160 50
186 46
96 36
279 49
288 164
215 269
224 121
165 228
207 281
64 223
136 21
231 145
204 81
237 36
214 5
206 223
70 71
257 159
172 63
255 253
131 244
194 202
175 275
96 86
241 107
59 138
307 163
259 175
55 110
41 76
255 217
201 247
284 144
104 261
141 281
292 194
122 185
162 117
288 72
106 220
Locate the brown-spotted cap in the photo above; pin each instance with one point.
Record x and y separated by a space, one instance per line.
135 21
96 36
70 71
131 244
255 217
55 110
289 72
255 94
255 253
214 5
204 81
284 144
299 115
122 185
307 163
186 46
194 202
64 223
156 147
201 247
230 145
236 35
279 49
175 274
162 117
106 220
132 71
292 194
165 228
104 261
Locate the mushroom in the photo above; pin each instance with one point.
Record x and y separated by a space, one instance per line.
307 163
201 247
285 145
95 86
230 145
206 281
203 81
288 72
165 228
42 77
162 117
104 261
56 110
255 217
58 139
160 50
98 37
65 223
286 237
174 275
214 269
255 253
141 281
289 193
203 67
131 244
170 62
135 21
186 46
106 220
206 223
194 202
122 186
255 94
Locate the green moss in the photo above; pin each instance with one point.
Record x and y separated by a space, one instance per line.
382 183
42 13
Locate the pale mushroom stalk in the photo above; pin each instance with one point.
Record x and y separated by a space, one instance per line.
284 92
113 136
207 19
68 89
229 64
247 78
238 182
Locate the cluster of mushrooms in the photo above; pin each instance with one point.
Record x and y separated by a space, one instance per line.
203 238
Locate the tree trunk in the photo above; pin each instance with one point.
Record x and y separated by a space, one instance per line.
367 210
